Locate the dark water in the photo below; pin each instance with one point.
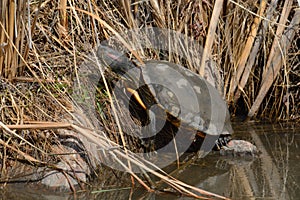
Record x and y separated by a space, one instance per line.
275 174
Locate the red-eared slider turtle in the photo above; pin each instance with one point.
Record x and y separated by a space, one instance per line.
179 97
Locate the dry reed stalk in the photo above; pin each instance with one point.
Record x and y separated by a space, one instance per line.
10 30
227 49
176 184
112 23
40 125
159 13
28 79
3 43
37 78
181 23
21 153
102 143
276 60
128 14
12 133
12 33
237 28
122 40
129 170
31 27
62 27
283 18
254 52
211 34
95 32
63 13
241 63
114 111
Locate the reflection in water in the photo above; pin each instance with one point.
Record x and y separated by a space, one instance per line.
275 174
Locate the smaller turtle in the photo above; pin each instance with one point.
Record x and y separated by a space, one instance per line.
183 99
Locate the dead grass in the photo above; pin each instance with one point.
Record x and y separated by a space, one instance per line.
43 44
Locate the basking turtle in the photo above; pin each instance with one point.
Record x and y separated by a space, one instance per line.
179 98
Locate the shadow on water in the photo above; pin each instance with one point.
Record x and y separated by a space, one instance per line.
275 174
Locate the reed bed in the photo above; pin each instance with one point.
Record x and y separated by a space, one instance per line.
43 43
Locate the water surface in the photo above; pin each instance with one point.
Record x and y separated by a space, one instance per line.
274 174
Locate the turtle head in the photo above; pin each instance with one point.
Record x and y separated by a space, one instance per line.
115 60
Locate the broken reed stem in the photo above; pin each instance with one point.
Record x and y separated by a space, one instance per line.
277 60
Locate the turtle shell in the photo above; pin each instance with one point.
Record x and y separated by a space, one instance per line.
182 93
188 97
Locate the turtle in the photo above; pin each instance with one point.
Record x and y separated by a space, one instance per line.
183 101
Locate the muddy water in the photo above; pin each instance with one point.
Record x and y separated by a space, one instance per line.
275 174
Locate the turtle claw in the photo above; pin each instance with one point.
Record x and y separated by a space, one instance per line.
239 148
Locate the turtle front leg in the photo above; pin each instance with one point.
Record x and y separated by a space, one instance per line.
221 142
